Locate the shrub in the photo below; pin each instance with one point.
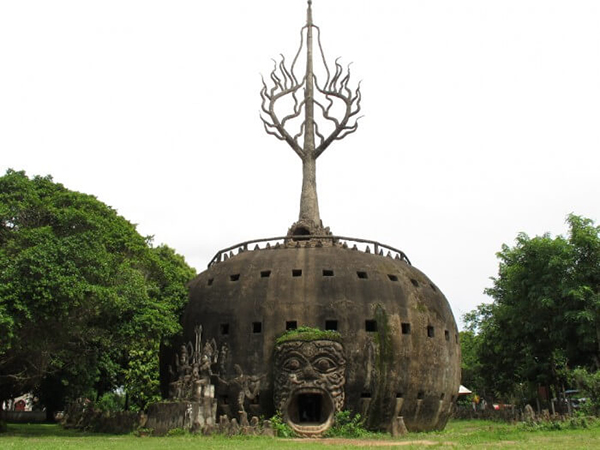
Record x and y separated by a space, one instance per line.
347 426
281 428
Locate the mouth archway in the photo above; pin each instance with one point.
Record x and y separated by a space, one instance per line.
310 412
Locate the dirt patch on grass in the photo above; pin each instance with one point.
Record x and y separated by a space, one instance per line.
370 442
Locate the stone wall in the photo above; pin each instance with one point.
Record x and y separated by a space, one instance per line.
190 416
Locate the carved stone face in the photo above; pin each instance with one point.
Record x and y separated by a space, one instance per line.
309 383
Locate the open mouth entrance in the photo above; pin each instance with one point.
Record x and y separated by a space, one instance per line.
310 412
309 408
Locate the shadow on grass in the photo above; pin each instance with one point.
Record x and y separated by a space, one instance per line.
34 430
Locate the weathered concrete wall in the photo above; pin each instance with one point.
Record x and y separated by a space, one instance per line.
398 331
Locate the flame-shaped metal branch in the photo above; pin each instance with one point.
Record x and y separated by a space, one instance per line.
337 104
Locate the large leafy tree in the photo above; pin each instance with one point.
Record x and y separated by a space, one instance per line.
545 314
85 301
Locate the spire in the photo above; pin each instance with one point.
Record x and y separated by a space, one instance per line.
327 112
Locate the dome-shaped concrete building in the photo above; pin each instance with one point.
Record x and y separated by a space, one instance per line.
389 346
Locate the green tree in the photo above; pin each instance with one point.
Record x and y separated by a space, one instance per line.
545 314
84 299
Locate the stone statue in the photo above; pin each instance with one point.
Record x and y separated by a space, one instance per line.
241 388
309 375
193 368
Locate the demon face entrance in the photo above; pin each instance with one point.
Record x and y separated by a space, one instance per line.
310 412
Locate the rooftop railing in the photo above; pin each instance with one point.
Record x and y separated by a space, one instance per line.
310 241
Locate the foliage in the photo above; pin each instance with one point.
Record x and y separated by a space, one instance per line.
308 334
141 431
545 315
574 423
177 432
111 401
348 426
281 428
589 386
84 299
471 368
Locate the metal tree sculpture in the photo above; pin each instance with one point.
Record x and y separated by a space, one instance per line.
337 104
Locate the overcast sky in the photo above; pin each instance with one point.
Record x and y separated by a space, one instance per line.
482 120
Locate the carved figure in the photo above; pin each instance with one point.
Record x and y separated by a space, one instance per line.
193 368
313 370
241 388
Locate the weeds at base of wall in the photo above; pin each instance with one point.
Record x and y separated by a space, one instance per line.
280 428
348 426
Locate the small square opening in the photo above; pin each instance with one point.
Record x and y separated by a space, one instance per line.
365 395
442 396
414 282
430 331
234 277
265 274
327 272
224 328
257 327
447 335
420 395
362 275
405 328
210 281
291 325
399 395
371 326
331 325
297 272
392 277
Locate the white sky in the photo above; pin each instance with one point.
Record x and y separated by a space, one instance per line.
481 120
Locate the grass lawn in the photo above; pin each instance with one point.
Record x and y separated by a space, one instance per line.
458 434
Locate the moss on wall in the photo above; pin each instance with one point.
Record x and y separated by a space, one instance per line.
308 334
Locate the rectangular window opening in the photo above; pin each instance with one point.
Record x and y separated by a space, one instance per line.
399 395
327 273
456 338
297 273
447 335
420 395
291 325
365 395
331 325
392 277
371 326
430 331
234 277
265 274
362 275
442 396
210 281
405 328
257 327
224 328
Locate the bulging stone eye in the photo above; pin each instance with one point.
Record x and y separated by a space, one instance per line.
291 364
324 364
